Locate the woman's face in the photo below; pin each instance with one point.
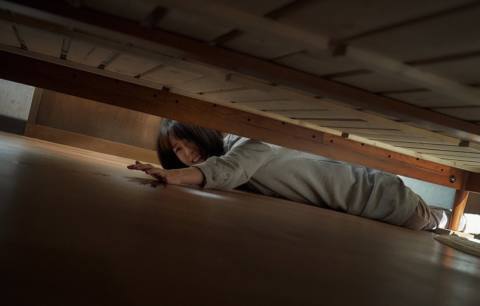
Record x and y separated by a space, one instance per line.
186 151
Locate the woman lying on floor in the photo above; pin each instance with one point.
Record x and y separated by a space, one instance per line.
191 155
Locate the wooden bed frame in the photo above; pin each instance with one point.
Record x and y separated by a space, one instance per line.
117 81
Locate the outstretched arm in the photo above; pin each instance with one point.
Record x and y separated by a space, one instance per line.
185 176
237 166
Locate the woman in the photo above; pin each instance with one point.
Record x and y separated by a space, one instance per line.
191 155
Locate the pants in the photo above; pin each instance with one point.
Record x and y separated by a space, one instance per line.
429 218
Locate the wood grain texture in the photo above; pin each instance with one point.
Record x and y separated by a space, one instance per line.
98 120
79 229
249 65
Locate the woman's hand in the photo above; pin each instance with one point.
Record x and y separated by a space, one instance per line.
139 166
157 173
186 176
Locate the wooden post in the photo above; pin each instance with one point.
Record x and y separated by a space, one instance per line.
36 100
461 199
32 116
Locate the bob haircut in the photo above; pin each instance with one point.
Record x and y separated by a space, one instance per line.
208 141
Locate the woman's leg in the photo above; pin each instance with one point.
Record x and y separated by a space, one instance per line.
446 215
429 218
423 218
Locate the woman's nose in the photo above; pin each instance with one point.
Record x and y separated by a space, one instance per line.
188 153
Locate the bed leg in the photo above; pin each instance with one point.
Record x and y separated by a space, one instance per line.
461 198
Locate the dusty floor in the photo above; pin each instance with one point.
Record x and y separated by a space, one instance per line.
77 228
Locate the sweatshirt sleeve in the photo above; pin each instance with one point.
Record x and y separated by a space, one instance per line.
237 166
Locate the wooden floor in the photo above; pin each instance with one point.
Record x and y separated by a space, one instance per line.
77 228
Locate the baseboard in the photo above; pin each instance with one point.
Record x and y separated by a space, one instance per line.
90 143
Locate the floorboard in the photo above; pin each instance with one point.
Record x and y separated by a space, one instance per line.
77 228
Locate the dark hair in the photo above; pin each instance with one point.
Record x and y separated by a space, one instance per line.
208 141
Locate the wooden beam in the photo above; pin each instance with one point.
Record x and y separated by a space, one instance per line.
263 69
154 17
472 182
416 77
461 198
377 120
170 105
234 77
36 101
309 41
254 23
276 90
288 9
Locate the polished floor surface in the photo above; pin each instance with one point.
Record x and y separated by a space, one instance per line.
77 228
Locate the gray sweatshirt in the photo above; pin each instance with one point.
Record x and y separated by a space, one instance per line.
311 179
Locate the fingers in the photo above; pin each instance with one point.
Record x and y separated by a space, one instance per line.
158 173
134 166
139 166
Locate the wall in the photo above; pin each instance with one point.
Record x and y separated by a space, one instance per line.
15 102
433 194
94 126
